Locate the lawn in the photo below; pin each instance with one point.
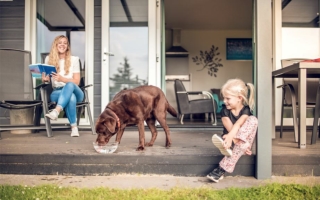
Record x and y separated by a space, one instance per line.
269 191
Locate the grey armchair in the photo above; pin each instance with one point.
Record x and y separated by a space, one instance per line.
186 106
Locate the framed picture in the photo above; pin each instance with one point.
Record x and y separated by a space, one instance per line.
239 49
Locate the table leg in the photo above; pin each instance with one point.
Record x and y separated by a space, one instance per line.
273 118
302 90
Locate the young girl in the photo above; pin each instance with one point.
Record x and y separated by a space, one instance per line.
239 126
66 91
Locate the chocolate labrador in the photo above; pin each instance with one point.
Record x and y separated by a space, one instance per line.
133 107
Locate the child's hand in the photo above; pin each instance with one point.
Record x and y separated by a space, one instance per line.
227 141
248 152
44 77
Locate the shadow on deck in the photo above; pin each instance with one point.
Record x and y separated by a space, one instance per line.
191 154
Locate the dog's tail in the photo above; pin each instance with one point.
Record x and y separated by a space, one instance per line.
172 111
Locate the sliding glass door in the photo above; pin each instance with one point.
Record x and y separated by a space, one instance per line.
128 42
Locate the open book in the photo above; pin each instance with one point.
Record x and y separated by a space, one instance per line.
37 69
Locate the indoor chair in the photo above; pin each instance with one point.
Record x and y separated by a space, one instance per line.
289 91
316 119
186 106
216 93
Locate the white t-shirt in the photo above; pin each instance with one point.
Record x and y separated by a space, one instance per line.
74 68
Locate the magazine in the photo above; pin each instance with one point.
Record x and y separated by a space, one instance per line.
37 69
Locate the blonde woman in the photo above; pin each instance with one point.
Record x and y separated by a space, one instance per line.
66 91
239 126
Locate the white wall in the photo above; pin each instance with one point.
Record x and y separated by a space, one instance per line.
196 40
300 43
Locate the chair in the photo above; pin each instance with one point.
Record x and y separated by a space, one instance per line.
216 93
186 106
316 119
80 106
43 56
289 99
16 88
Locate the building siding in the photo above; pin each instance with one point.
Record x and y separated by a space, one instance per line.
12 24
11 34
97 59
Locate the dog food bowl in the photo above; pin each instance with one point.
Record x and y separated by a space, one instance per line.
105 149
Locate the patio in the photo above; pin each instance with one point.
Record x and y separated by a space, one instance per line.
192 154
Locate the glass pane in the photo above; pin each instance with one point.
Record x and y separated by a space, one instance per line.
129 65
78 48
129 44
45 38
300 13
128 13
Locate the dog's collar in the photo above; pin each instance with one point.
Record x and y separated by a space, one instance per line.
117 118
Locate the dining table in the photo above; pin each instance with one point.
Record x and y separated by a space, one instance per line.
302 71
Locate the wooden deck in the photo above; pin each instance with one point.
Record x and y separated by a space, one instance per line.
287 146
192 154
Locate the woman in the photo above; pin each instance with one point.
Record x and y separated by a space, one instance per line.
66 91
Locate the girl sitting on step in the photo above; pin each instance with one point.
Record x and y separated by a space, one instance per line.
239 126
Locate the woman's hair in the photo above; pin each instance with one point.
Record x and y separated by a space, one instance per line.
237 87
54 55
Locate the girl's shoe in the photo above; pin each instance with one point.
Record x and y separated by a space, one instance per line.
218 142
217 174
53 114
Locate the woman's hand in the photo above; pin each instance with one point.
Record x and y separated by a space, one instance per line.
57 77
44 77
227 141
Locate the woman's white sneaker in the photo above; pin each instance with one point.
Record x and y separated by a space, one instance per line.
75 132
53 114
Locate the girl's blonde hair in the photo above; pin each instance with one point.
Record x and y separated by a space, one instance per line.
237 87
54 55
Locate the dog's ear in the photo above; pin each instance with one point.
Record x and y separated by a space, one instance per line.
110 123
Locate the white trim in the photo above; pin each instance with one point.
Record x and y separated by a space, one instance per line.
158 44
277 50
153 67
89 55
30 28
105 47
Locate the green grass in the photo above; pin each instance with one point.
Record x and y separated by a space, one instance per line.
269 191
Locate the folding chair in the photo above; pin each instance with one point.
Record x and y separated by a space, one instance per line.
51 105
289 90
16 88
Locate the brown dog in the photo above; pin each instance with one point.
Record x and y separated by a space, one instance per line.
133 107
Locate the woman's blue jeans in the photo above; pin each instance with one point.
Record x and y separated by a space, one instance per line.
67 98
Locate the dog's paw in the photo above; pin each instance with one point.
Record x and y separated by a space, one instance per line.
140 148
148 144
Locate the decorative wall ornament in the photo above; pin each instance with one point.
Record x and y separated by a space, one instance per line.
209 60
